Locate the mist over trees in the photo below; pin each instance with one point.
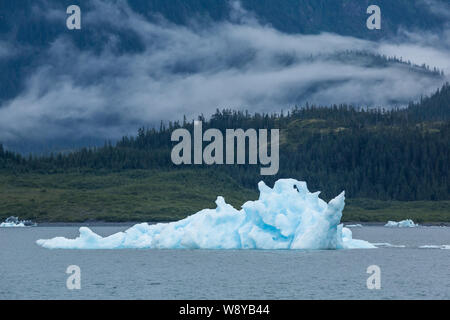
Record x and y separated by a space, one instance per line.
158 59
378 154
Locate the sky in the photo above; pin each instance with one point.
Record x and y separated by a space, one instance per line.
192 70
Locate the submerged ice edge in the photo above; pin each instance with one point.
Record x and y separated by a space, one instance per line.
286 216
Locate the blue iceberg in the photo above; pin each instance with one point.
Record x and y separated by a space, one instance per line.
285 217
402 224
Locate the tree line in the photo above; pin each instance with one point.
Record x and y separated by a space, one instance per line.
399 154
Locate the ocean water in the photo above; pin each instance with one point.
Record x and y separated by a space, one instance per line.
28 271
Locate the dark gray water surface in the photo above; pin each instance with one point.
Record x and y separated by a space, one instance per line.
28 271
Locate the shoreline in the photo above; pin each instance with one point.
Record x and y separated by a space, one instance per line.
132 223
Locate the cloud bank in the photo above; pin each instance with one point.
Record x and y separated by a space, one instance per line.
192 70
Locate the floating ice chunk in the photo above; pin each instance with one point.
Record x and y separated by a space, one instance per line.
353 225
402 224
285 217
349 243
388 245
14 222
11 225
443 247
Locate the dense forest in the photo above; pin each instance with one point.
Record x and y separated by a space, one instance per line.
379 154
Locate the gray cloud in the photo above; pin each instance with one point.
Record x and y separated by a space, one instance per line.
196 69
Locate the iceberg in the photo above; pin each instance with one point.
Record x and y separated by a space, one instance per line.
286 216
402 224
14 222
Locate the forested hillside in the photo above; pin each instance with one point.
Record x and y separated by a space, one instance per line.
433 108
133 56
377 154
136 62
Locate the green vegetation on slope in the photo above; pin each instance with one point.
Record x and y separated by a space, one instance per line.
137 195
397 161
384 155
368 210
151 195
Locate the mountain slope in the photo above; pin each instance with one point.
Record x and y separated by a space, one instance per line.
394 155
61 87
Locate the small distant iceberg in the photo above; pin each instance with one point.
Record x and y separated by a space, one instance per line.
14 222
389 245
402 224
353 225
443 247
285 217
